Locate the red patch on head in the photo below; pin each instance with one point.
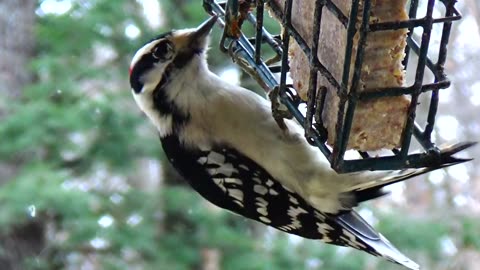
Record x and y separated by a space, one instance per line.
130 69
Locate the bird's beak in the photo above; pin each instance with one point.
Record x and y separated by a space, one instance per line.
192 41
202 31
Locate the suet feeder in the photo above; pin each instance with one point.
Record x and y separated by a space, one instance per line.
248 52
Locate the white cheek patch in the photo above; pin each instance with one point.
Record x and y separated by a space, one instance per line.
162 123
153 77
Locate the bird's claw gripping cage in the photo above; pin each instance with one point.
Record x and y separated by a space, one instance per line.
247 52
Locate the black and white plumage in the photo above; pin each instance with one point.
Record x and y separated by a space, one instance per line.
224 141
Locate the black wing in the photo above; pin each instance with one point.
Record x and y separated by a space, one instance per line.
230 180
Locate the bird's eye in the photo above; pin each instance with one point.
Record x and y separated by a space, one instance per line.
163 50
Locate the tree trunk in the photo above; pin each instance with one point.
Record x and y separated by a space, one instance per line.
17 43
17 18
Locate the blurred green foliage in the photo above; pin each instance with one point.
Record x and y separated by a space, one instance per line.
79 115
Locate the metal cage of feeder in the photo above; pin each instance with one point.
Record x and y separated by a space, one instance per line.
248 53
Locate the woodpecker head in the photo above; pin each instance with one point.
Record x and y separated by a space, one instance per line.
168 52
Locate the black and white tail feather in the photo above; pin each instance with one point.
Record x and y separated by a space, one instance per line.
224 141
374 188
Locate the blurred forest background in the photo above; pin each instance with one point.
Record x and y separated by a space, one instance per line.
83 186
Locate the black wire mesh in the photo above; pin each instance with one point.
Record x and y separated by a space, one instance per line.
247 52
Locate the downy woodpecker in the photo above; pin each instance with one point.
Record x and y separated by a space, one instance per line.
223 139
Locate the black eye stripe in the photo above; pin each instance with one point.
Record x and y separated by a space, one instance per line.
145 63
